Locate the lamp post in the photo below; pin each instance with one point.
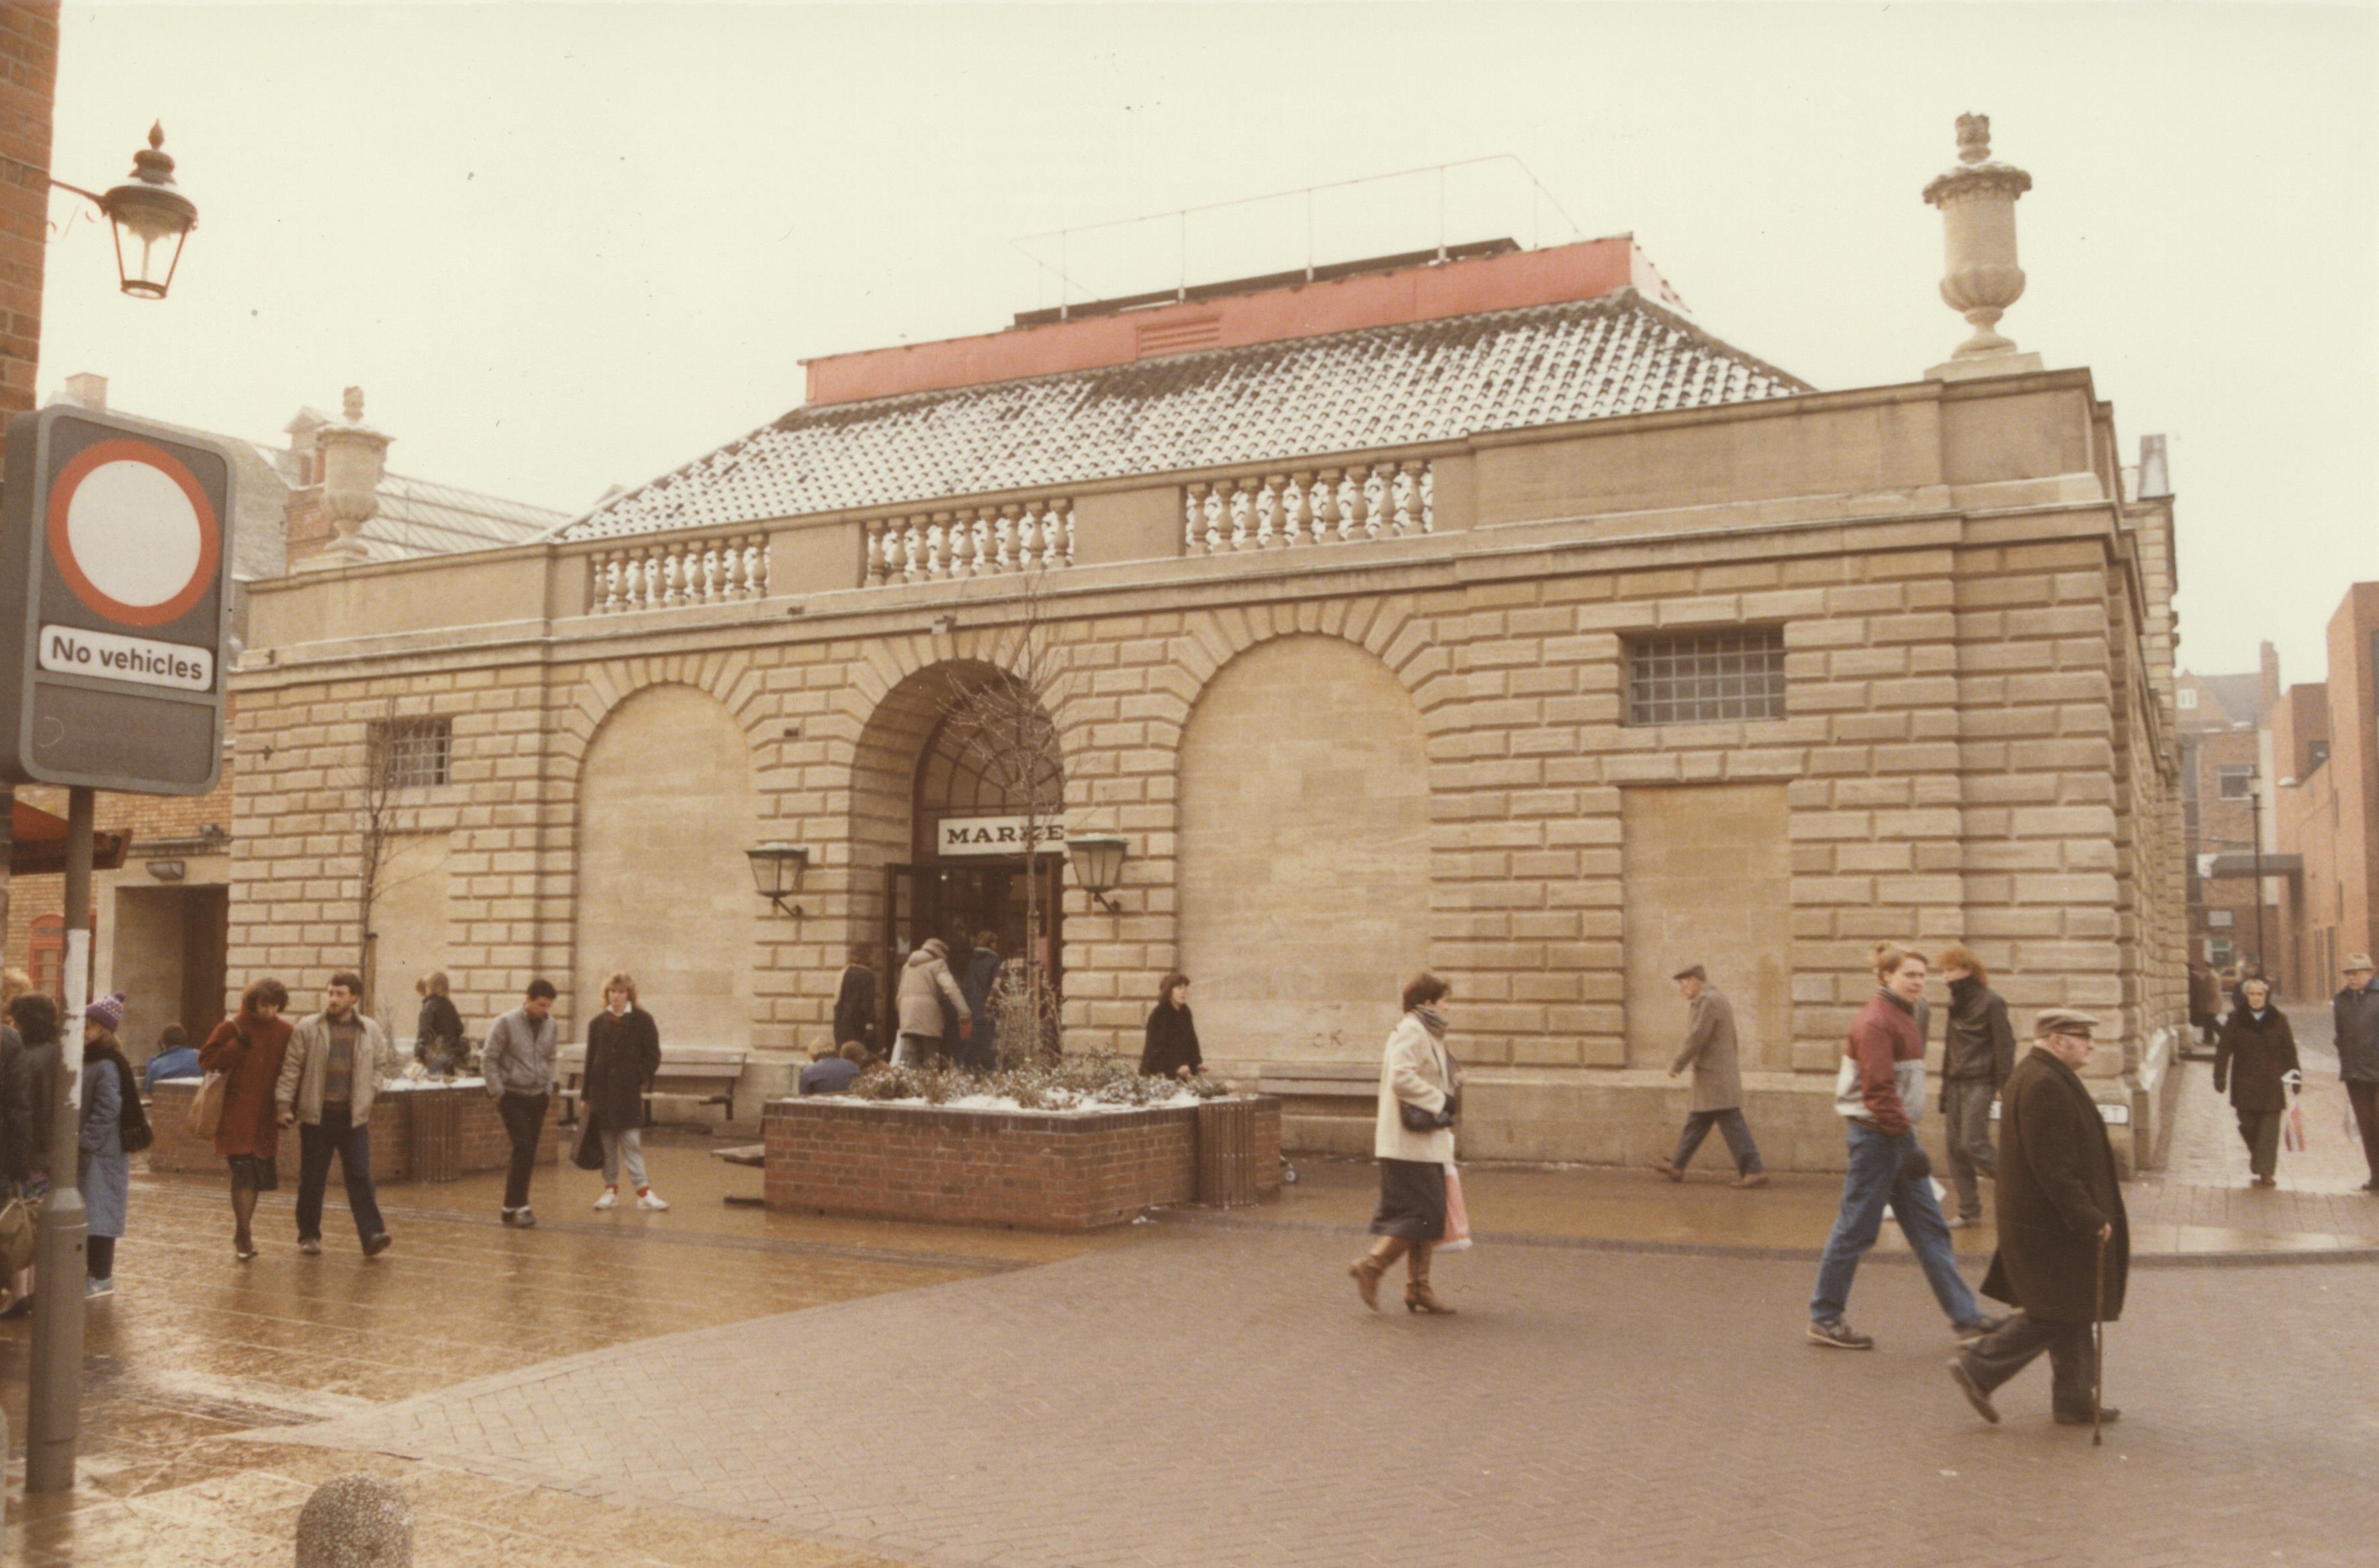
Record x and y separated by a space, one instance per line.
1098 864
153 212
2255 817
776 872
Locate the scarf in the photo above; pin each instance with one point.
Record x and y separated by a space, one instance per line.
1431 1020
1962 992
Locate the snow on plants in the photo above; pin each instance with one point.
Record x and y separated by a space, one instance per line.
1071 1084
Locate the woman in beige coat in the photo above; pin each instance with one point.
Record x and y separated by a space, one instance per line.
1417 1074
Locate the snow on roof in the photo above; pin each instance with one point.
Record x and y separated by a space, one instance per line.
1275 402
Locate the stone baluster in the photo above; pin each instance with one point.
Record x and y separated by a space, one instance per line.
1243 506
1193 518
599 590
1266 511
1062 508
1428 498
1320 501
913 539
872 574
1216 510
1296 504
1402 523
1376 478
713 590
755 567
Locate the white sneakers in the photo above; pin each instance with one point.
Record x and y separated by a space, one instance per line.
610 1199
651 1200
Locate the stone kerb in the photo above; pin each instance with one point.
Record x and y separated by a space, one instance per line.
1058 1171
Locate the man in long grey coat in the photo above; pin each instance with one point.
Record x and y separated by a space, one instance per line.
1710 1051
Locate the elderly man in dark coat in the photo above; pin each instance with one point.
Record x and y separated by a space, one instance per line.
2060 1219
1709 1050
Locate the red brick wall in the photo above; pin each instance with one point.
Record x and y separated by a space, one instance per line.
485 1145
146 817
985 1167
29 69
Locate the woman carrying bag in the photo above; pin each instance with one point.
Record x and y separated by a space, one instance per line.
112 1130
247 1050
1420 1092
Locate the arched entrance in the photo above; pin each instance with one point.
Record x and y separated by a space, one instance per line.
981 774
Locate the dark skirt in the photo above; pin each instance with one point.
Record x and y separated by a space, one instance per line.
1412 1200
254 1173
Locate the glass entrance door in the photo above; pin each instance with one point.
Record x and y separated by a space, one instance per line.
955 900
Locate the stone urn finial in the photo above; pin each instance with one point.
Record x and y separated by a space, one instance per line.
1980 278
353 457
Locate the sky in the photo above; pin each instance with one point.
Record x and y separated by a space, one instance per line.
567 247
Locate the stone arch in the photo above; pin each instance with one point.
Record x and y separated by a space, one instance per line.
1302 842
666 807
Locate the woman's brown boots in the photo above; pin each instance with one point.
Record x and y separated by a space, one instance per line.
1418 1296
1368 1269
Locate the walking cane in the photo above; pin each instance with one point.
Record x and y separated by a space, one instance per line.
2099 1348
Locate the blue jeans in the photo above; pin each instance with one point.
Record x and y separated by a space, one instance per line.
1872 1182
335 1134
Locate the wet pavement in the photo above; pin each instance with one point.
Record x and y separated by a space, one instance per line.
718 1386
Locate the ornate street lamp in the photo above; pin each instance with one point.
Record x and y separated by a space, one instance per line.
776 872
156 217
1098 864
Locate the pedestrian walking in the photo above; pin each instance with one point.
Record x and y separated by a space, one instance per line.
2355 1009
1420 1096
517 1061
854 1001
2065 1247
16 1114
247 1048
175 1057
1170 1046
927 989
1977 1054
111 1108
624 1052
437 1030
980 987
330 1074
36 1020
2256 1054
2204 1002
1879 1094
1711 1052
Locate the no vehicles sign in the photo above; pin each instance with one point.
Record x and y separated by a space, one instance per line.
115 588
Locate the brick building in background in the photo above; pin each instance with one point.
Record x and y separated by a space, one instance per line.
2226 772
1479 612
2325 750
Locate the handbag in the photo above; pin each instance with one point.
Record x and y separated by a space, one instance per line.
1458 1215
588 1153
205 1114
16 1234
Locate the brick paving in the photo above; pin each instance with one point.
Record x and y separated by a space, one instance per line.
1209 1396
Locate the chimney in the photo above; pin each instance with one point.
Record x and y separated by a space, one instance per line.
1979 277
353 457
86 390
2271 682
2156 476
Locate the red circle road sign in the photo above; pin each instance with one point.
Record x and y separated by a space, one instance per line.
131 533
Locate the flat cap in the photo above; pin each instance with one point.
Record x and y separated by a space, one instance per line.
2062 1020
1691 971
2355 962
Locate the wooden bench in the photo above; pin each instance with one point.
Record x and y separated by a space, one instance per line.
754 1155
1326 1107
704 1074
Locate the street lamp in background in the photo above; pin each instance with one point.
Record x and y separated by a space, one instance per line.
151 219
2255 817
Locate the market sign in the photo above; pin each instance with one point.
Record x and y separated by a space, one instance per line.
114 596
997 835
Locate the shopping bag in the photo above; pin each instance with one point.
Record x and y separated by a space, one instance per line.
588 1153
2292 1124
16 1234
1457 1218
205 1114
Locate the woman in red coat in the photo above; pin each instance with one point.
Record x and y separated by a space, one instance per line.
249 1047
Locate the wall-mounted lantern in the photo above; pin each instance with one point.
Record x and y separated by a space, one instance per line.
153 220
776 873
168 871
1098 864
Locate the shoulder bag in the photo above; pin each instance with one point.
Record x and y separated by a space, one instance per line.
205 1114
17 1234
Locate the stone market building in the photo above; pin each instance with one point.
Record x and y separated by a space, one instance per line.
1477 613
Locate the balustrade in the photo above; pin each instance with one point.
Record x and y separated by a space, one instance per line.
971 541
1309 506
666 571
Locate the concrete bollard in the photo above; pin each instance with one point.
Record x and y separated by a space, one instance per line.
356 1521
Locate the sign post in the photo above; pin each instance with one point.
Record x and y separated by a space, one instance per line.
115 594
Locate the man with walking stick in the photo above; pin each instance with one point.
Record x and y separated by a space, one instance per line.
2065 1247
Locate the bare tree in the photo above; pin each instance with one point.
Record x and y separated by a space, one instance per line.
399 753
999 724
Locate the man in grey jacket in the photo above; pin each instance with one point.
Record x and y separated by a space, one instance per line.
2355 1010
332 1072
1710 1051
518 1062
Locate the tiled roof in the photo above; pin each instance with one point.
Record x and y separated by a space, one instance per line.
1359 391
417 518
2242 696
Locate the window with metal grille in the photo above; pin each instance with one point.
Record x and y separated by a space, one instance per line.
2237 781
1709 677
412 753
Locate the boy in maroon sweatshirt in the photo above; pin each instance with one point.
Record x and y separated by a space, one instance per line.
1880 1092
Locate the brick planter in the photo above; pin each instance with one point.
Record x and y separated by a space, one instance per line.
485 1147
1034 1170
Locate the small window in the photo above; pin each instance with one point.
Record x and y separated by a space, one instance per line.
2187 697
1707 678
2237 781
2221 920
2219 949
413 753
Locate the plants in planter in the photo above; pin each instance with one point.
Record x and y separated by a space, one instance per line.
1089 1081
